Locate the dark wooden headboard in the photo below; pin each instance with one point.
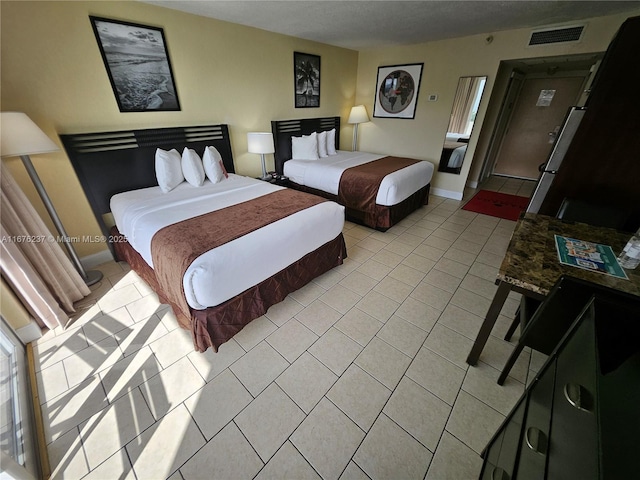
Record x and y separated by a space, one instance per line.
283 130
112 162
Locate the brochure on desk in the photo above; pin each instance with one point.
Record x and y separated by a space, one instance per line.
588 256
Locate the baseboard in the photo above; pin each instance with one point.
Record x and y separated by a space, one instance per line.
43 454
473 184
439 192
29 332
96 259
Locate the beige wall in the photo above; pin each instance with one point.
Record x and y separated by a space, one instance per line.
11 308
444 62
224 73
52 70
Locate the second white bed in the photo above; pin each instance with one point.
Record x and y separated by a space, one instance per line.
324 174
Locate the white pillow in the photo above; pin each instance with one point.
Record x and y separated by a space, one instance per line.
305 147
322 144
213 166
168 169
331 142
192 168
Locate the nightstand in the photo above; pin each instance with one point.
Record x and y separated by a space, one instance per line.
280 180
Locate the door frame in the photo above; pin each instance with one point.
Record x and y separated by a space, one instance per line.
516 80
27 464
517 71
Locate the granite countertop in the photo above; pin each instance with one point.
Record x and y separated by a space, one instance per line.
531 261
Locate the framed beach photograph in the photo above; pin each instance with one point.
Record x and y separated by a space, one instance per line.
306 77
138 65
397 91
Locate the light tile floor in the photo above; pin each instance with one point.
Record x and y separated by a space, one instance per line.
360 374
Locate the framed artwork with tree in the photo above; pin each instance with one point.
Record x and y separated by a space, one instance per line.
306 77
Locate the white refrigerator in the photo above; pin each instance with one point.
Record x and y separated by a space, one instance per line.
549 169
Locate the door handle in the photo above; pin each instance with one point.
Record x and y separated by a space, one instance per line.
536 440
578 397
499 474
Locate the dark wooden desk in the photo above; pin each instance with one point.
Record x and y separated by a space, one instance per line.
531 266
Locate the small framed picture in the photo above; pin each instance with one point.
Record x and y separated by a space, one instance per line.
306 77
138 65
397 91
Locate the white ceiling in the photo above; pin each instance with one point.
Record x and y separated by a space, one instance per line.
359 24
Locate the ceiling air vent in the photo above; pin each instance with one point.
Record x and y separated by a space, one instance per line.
556 35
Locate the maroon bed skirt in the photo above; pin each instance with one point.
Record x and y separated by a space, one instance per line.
215 325
386 217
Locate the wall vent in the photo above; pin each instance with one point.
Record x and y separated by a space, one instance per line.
556 35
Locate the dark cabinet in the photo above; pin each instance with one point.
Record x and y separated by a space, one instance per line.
535 442
603 163
580 417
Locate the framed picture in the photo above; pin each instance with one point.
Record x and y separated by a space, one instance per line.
306 78
137 64
397 91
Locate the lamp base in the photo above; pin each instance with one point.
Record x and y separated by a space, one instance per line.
93 277
355 138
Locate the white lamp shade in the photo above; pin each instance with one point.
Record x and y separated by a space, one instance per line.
260 142
358 115
20 136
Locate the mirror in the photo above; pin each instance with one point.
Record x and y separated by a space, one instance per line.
463 116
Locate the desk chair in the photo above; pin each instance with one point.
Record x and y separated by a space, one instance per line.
571 210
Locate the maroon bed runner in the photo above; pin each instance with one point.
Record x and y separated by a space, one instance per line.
359 185
175 247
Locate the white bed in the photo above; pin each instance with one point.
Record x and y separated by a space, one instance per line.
324 174
375 192
457 157
273 249
230 269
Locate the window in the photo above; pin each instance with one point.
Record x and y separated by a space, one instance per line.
16 438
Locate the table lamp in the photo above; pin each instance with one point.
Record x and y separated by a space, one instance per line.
21 137
262 143
357 116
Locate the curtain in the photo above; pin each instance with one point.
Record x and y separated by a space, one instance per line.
32 262
463 103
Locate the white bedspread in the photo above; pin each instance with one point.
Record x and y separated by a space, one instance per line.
324 174
457 157
230 269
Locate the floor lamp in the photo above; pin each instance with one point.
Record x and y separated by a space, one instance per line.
262 143
21 138
357 116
